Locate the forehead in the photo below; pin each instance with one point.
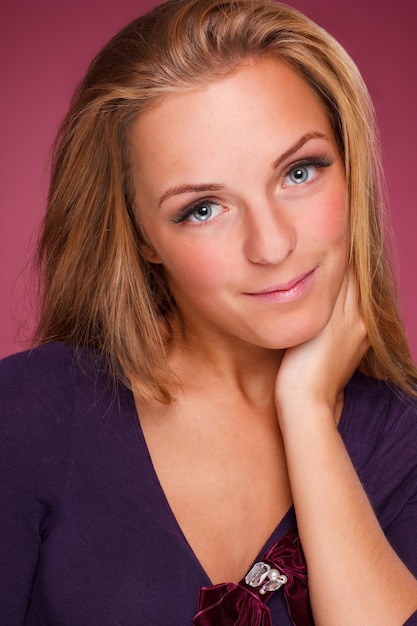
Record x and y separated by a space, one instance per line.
265 74
262 106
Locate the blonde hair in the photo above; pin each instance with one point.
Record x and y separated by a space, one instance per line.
97 288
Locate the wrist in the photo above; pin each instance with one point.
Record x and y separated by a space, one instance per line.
309 414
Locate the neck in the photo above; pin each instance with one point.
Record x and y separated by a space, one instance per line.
202 362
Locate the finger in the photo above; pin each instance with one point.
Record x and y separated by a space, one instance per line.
353 308
352 291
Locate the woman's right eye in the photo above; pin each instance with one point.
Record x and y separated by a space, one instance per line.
202 211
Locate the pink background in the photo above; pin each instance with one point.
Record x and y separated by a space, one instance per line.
45 49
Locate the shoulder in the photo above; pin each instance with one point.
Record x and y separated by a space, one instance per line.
36 367
379 428
39 389
51 400
56 388
35 390
378 417
31 379
373 404
36 420
44 374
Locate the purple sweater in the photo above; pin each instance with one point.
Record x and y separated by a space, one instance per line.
86 534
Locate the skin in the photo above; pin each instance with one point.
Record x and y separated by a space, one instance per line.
264 305
266 232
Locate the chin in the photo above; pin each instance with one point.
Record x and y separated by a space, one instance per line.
296 333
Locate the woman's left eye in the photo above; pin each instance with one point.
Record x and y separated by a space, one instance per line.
301 173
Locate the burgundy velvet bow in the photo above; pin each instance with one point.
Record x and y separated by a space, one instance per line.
230 604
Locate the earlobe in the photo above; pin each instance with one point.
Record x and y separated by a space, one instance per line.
150 254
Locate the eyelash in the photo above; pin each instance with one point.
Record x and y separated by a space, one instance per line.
320 162
190 209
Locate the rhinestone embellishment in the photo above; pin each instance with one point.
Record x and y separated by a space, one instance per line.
266 577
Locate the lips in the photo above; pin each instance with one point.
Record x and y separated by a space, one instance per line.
286 292
282 287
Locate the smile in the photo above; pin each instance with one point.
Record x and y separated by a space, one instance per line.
287 292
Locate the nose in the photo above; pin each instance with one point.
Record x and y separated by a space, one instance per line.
270 234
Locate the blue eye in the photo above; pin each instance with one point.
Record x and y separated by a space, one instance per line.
305 171
202 213
199 212
299 174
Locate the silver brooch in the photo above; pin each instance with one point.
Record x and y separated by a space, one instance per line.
264 576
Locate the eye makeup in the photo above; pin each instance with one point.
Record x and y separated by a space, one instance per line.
199 204
318 162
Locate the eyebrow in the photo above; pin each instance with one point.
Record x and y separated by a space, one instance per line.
296 147
180 189
175 191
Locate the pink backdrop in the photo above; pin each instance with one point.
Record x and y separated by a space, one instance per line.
46 46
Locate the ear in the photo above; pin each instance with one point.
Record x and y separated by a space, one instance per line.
150 254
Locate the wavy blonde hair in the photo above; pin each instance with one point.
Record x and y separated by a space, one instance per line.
97 289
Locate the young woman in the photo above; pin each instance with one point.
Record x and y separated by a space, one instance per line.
218 423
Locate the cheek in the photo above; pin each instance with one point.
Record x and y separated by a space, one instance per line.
194 267
331 221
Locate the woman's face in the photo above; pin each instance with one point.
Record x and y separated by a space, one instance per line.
241 191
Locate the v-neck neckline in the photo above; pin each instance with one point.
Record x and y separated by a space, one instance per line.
286 522
283 526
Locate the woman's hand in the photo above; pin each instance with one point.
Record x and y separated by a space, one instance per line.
346 551
315 372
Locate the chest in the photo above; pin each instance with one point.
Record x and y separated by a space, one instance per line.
113 551
225 482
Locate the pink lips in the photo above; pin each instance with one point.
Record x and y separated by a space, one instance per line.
286 292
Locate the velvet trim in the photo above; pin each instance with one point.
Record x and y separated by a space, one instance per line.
231 604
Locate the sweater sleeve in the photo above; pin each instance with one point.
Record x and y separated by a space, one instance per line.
35 406
402 533
380 432
399 453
